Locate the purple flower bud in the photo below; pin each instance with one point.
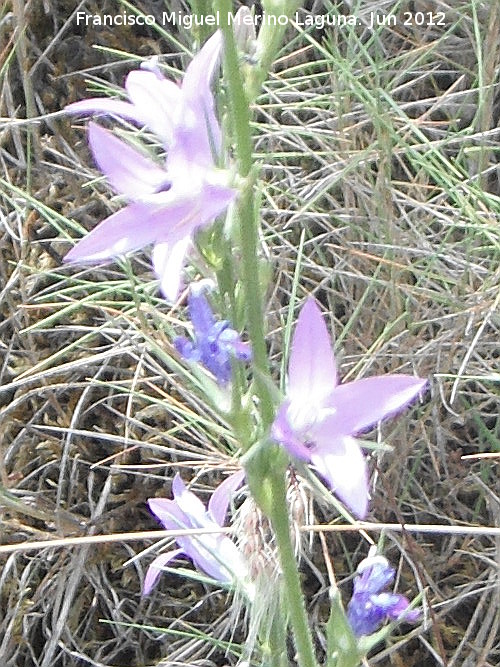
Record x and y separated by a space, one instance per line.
369 607
215 342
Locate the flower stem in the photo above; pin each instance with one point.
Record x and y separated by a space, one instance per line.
248 225
274 651
293 593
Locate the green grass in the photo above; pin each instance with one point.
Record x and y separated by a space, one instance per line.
380 196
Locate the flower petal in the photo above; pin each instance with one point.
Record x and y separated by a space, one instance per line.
128 171
186 349
363 403
168 512
342 464
217 556
283 433
178 212
200 313
189 504
155 569
392 604
157 100
364 617
189 513
164 210
199 99
201 69
123 231
219 502
399 608
215 199
168 261
376 574
312 374
229 340
171 220
107 106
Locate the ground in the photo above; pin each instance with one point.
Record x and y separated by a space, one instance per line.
380 186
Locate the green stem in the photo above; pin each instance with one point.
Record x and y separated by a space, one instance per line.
277 509
277 643
293 594
274 649
249 237
270 38
199 8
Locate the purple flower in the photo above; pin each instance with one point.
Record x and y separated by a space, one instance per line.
166 204
215 342
318 417
214 554
369 607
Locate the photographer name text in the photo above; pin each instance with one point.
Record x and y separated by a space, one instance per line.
188 21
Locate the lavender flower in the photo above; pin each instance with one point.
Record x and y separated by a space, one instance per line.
318 417
166 204
215 342
214 554
369 607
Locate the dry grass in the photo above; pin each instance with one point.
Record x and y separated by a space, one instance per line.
380 161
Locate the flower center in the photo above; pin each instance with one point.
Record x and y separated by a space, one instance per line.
304 416
163 187
300 416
